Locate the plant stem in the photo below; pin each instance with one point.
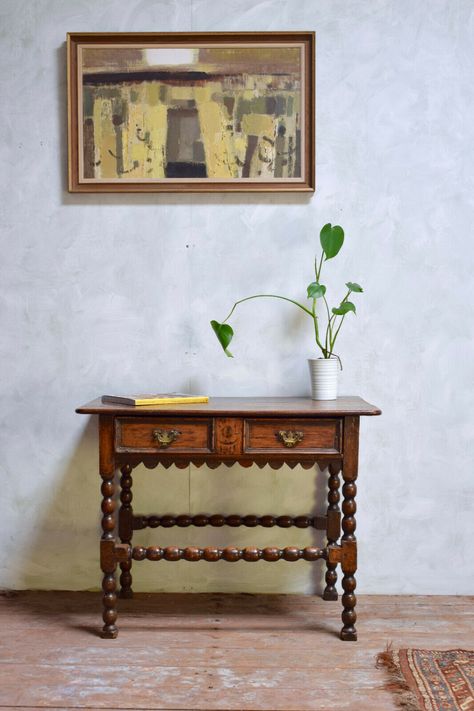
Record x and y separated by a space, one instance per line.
338 329
332 324
327 308
345 298
316 331
268 296
328 327
318 271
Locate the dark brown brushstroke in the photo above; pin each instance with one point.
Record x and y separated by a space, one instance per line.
185 169
280 160
251 146
297 172
119 148
291 153
172 136
229 103
160 75
89 153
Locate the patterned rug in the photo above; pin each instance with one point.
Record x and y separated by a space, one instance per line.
427 680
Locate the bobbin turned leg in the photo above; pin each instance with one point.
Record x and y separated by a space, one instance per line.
107 555
348 541
349 561
333 529
126 528
109 586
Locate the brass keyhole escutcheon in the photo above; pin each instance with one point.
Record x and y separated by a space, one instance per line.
165 437
290 438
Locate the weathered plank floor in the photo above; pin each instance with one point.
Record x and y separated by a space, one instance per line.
212 651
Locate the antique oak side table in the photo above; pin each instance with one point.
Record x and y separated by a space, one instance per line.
272 431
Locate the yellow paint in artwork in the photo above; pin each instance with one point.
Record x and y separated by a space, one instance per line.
156 125
142 134
133 137
98 140
227 117
218 144
181 93
215 140
108 143
240 147
152 93
257 125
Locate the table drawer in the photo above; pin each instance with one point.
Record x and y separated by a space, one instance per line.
297 435
164 435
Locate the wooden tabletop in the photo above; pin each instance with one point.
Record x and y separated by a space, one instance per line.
271 406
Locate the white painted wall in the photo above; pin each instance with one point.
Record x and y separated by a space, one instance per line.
111 293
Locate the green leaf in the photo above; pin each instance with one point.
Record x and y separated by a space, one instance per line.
352 286
224 334
332 239
344 308
315 290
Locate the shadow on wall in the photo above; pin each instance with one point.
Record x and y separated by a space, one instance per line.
228 491
146 198
65 548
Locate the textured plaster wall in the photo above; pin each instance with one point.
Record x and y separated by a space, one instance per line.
112 293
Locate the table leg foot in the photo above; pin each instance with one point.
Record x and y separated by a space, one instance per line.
348 635
126 593
109 632
330 593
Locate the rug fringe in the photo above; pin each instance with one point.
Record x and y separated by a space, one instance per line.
404 696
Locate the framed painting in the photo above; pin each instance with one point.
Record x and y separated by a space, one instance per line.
191 112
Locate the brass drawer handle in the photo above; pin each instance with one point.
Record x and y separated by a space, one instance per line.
165 437
290 438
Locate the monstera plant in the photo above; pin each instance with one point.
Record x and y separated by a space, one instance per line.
326 321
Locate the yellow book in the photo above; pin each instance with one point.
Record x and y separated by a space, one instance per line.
159 399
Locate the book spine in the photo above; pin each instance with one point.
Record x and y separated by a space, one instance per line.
173 401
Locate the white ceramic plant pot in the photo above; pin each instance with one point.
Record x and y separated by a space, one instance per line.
324 376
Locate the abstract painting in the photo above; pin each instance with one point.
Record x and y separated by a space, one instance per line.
154 112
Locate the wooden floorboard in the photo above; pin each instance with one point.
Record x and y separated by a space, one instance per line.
215 651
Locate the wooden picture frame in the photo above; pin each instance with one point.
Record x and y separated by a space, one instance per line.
191 112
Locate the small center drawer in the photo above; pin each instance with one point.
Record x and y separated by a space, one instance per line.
164 435
299 435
